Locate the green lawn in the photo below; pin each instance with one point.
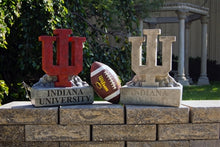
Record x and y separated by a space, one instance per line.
208 92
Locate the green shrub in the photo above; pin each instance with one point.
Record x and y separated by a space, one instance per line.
101 22
3 90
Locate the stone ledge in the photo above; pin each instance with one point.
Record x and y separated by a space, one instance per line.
20 112
105 124
98 113
204 111
156 115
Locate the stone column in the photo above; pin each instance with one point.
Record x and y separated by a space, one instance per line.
203 79
187 44
181 76
141 27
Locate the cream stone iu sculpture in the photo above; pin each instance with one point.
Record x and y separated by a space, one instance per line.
152 84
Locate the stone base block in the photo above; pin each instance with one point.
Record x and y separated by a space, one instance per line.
203 80
161 96
62 96
183 81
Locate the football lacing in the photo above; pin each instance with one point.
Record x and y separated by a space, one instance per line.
110 79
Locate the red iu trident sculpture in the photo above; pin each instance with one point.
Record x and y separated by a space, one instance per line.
63 69
67 88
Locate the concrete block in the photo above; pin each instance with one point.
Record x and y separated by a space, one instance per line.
29 144
92 114
57 133
92 144
19 112
11 133
159 144
124 132
204 111
188 131
156 115
204 143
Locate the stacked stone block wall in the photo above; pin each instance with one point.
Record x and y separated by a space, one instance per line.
194 124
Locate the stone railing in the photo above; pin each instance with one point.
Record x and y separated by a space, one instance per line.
195 123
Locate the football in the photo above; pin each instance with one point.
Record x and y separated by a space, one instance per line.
105 82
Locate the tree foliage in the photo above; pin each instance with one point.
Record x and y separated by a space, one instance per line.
106 24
